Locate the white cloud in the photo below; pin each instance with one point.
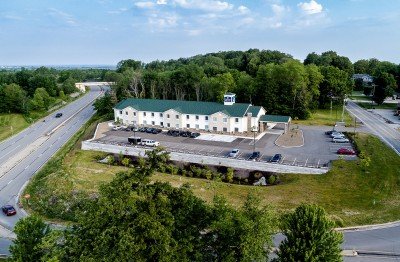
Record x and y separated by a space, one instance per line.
117 12
243 9
161 2
278 10
67 18
311 7
205 5
165 21
144 4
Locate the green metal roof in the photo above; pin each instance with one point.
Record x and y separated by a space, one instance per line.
184 107
254 110
275 118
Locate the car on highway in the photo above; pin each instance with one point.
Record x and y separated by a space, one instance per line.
255 156
9 210
234 153
149 142
194 135
276 158
346 151
58 115
340 140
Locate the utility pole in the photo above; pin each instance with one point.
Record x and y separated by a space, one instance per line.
344 102
254 130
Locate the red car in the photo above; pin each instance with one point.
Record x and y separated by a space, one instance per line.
9 210
346 151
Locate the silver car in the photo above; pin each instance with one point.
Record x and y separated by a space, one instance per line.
234 152
340 140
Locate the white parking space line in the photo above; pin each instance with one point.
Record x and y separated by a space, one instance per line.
318 163
294 161
305 164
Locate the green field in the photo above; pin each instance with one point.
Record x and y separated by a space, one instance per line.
326 117
350 195
11 124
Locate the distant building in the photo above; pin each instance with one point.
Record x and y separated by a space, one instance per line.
367 79
208 116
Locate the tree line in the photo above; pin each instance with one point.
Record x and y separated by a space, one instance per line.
133 219
24 91
272 79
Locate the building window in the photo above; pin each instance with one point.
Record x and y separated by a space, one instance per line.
168 125
144 122
144 113
188 125
161 123
187 116
120 112
177 116
225 119
206 118
167 115
126 113
236 120
206 127
214 119
161 115
197 117
197 126
224 129
215 128
134 113
152 114
153 123
236 129
177 125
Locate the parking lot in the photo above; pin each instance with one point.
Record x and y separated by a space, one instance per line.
318 149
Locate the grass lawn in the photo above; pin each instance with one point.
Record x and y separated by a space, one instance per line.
11 124
326 117
350 195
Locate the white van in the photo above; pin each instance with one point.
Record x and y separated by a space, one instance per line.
149 142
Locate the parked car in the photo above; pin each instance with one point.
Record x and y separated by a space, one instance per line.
255 156
185 133
8 210
142 129
156 130
58 115
173 132
340 140
330 132
135 140
149 142
234 152
116 128
337 134
346 151
194 135
276 158
149 130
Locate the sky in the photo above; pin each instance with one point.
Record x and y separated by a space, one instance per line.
93 32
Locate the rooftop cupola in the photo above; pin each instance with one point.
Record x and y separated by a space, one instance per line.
229 99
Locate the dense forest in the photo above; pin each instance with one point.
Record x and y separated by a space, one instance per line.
24 91
272 79
281 84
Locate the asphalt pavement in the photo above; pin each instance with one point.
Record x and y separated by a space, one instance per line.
42 140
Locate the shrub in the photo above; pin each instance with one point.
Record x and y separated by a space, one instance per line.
271 180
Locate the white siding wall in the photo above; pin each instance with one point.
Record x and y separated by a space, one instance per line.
201 122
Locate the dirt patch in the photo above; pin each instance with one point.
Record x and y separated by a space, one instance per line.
292 138
101 129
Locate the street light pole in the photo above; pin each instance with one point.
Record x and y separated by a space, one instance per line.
254 130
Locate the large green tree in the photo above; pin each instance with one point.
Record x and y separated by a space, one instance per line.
310 236
385 84
30 231
13 99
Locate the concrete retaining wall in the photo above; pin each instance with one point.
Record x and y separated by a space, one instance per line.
206 160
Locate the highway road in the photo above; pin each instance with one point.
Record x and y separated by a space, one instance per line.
377 125
23 154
